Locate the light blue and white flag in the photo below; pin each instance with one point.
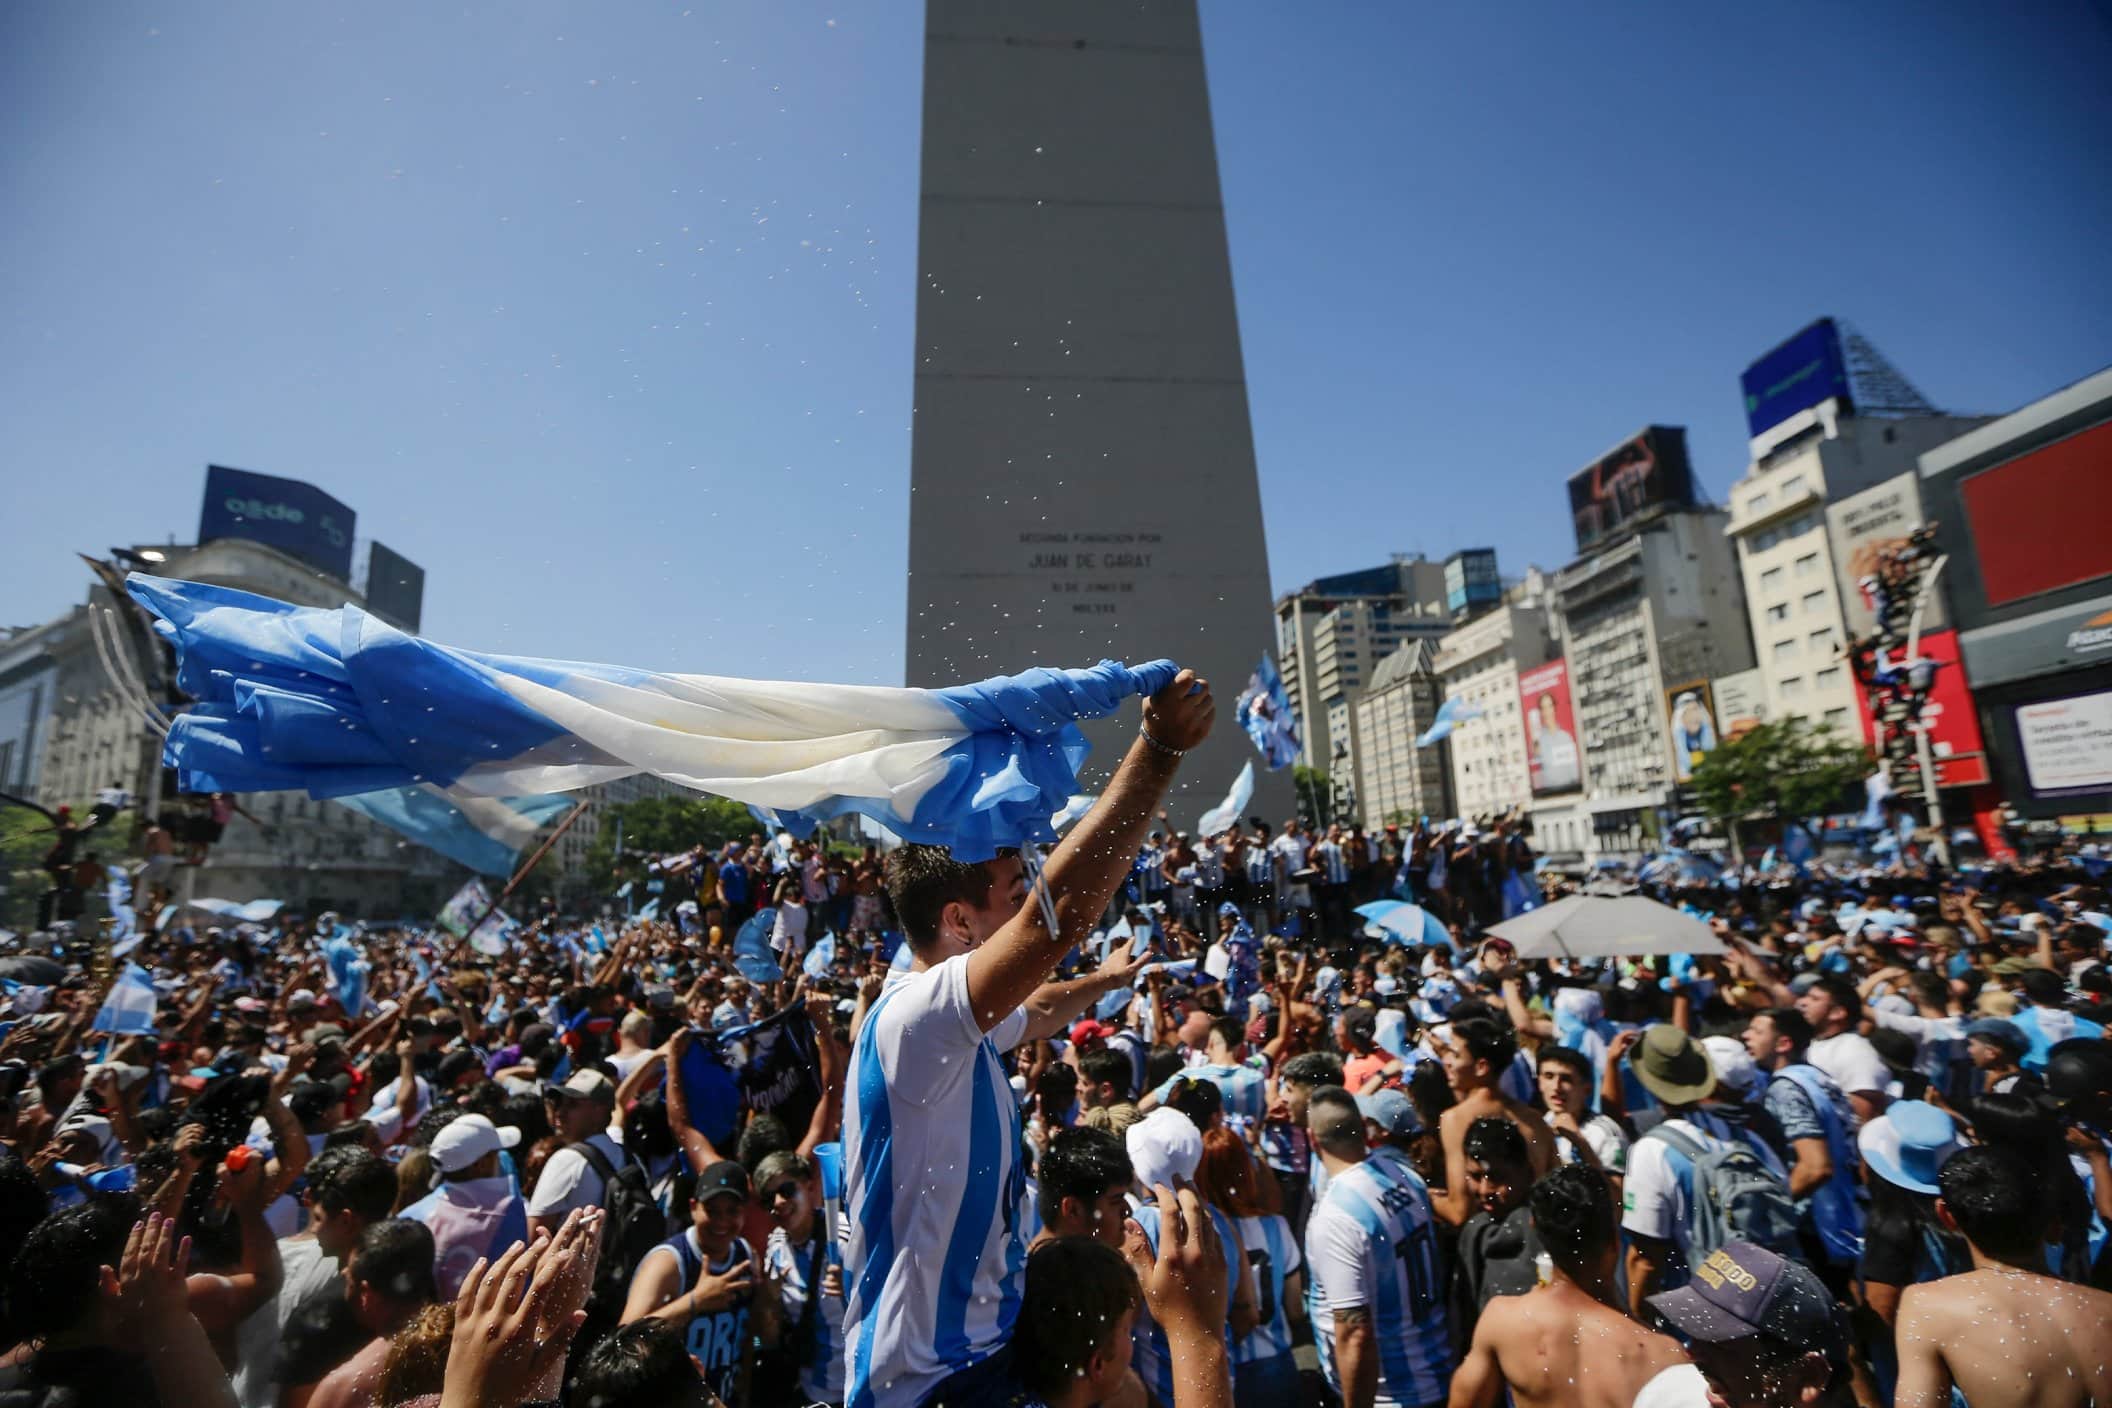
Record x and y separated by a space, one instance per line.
816 963
752 953
487 834
1073 810
1220 817
1450 714
338 703
129 1009
1265 714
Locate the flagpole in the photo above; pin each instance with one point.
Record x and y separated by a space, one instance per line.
578 809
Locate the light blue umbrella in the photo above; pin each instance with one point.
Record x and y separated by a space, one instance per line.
1411 924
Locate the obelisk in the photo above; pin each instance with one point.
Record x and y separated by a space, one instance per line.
1082 467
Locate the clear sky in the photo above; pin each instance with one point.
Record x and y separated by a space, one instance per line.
603 313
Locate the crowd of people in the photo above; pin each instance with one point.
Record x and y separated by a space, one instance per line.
1138 1118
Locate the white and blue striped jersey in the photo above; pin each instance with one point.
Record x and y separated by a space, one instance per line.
821 1376
1371 1242
1334 866
1245 1088
1273 1254
931 1145
1151 1356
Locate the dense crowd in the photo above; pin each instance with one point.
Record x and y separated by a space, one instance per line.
1138 1118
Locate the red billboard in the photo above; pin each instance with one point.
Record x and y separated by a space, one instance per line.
2038 522
1553 757
1953 722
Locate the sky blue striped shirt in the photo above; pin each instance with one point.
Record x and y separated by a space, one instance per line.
1372 1242
1273 1253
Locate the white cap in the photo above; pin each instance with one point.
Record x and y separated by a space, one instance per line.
467 1139
1164 1147
1733 1063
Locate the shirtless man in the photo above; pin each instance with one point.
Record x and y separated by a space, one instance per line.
1565 1343
2004 1332
1476 1055
1764 1331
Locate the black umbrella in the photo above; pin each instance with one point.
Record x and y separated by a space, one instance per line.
33 969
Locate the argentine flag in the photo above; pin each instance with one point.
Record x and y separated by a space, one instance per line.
129 1009
487 834
339 704
1450 714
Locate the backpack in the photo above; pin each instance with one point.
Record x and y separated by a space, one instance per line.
1736 1199
632 1225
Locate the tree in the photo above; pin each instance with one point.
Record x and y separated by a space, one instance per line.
1782 770
659 825
1316 794
25 836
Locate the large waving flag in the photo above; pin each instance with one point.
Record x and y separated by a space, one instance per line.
1265 713
1220 817
487 834
1450 714
339 703
129 1009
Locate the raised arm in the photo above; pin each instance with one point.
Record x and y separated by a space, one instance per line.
700 1151
1086 867
1054 1006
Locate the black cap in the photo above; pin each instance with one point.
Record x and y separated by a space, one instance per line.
725 1176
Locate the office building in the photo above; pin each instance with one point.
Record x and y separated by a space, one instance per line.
1478 667
1395 780
1332 634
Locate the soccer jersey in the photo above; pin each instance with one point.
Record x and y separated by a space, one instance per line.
821 1370
1152 1357
1372 1242
1273 1254
718 1340
931 1143
1245 1088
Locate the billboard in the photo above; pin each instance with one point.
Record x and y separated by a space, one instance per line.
1642 476
1690 726
1861 528
395 587
298 519
1471 580
1952 718
1553 759
1741 703
1796 376
2031 522
2067 744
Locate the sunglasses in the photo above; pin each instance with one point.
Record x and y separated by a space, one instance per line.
788 1189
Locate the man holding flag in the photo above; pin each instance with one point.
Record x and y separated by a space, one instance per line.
931 1129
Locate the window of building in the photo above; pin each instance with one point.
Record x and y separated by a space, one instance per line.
1800 525
1807 564
1792 685
1778 612
1837 716
1792 486
1828 677
1757 502
1822 640
1814 601
1765 539
1785 650
1771 579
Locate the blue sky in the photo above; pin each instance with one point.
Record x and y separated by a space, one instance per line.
603 314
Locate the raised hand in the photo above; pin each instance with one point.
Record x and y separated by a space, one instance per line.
1179 716
145 1290
1184 1285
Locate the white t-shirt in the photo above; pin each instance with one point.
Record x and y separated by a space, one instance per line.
931 1142
1654 1198
391 1123
1852 1062
307 1271
568 1181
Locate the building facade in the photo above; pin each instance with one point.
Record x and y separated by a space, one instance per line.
1395 780
2021 508
1786 559
1644 622
1332 634
1478 666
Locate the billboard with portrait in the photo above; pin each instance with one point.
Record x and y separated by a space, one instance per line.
1638 479
1690 723
298 519
1554 759
1796 376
